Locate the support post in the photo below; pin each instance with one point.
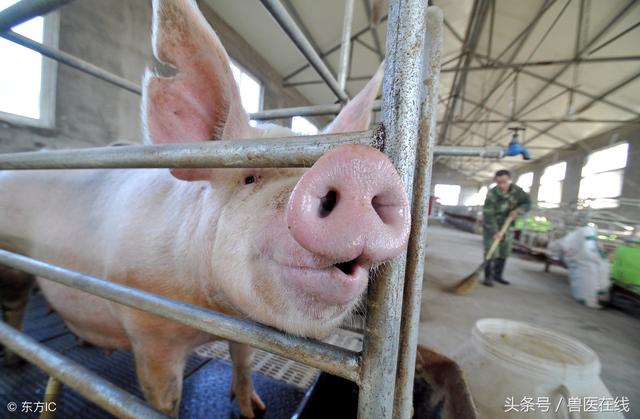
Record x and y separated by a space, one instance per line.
400 116
403 402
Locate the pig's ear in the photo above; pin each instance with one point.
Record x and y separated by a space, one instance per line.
356 115
201 101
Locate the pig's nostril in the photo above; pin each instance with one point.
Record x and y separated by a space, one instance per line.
346 267
379 208
327 203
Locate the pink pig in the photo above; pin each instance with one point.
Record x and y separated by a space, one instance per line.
286 247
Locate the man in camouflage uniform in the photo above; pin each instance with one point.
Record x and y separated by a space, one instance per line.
504 199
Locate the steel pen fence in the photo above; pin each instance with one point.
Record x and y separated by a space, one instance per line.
384 370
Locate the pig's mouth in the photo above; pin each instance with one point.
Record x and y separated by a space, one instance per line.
332 285
347 267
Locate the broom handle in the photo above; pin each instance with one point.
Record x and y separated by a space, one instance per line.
502 232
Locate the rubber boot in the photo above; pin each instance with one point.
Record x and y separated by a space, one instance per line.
498 269
488 273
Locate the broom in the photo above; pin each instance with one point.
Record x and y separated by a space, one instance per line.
467 284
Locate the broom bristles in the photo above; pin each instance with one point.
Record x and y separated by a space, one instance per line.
468 284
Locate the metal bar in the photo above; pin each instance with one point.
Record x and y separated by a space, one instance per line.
453 31
314 110
456 151
514 95
414 274
400 115
507 118
579 91
623 12
496 65
312 82
472 37
550 120
525 64
333 359
469 33
492 19
544 103
374 31
331 50
526 32
26 10
291 9
616 18
272 152
214 154
576 51
616 37
345 50
549 29
583 108
72 61
280 14
452 59
520 40
87 383
364 44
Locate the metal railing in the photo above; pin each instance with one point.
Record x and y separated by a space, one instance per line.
25 10
87 383
274 152
408 118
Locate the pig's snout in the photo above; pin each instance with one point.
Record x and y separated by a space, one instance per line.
350 205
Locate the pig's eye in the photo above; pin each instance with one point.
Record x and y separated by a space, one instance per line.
249 179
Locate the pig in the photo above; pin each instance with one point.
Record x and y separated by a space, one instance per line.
290 248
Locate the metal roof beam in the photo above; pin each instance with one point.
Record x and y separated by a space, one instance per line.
615 38
300 36
552 136
579 91
545 63
472 36
520 40
374 31
331 50
583 108
453 31
550 120
596 38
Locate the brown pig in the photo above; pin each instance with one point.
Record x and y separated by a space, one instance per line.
289 248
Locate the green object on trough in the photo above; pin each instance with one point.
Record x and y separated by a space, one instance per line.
534 223
625 267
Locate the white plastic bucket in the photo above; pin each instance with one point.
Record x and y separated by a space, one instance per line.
512 367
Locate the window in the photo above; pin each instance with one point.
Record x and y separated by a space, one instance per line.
27 80
525 181
477 198
447 194
550 192
250 90
602 176
302 125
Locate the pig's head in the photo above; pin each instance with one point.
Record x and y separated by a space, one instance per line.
291 248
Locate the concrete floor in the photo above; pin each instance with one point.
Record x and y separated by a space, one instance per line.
536 297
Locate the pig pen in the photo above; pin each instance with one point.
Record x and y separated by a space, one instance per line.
384 368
